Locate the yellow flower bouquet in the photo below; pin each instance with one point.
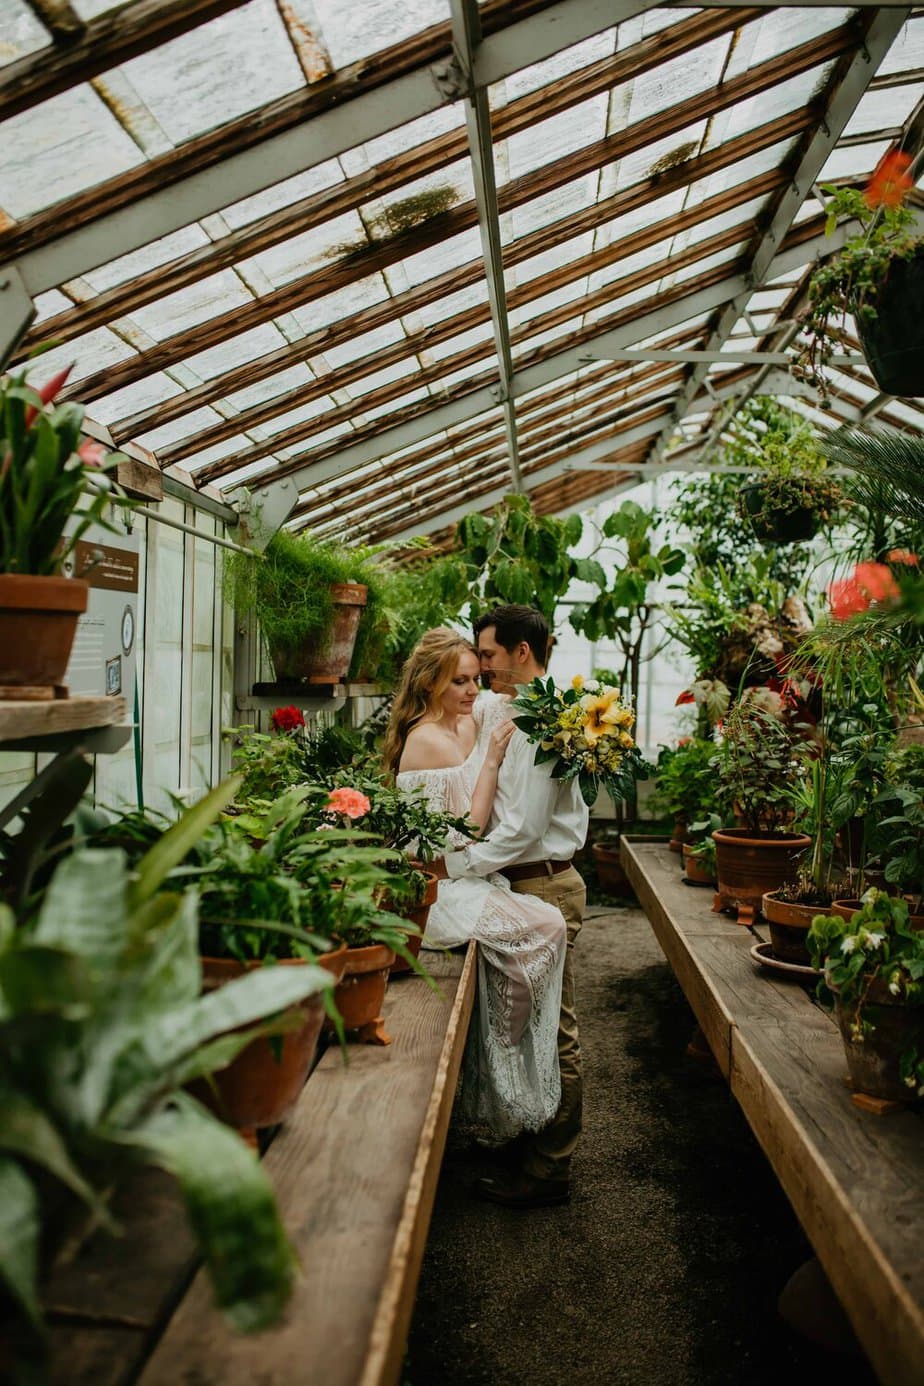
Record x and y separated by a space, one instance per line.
585 732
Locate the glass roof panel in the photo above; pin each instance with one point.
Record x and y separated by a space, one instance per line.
883 110
351 32
20 32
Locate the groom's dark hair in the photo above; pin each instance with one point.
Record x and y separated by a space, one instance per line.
516 623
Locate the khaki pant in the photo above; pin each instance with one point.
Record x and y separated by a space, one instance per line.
549 1151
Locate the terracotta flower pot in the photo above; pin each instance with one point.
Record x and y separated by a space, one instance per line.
846 909
678 834
873 1062
611 877
329 660
749 867
694 870
361 991
417 915
789 925
38 622
262 1085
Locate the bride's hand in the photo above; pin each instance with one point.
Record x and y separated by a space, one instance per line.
497 744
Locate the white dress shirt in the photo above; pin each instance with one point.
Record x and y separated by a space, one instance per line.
535 818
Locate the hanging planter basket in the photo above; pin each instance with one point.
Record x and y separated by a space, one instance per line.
893 340
778 526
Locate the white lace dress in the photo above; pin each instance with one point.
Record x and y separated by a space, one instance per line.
510 1077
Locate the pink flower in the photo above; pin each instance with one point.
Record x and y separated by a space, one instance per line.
286 719
350 802
92 454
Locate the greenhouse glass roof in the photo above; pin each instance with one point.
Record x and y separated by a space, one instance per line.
394 261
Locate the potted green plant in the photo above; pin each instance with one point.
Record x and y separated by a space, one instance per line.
49 482
897 837
100 981
793 494
760 754
308 597
878 278
699 851
873 963
685 784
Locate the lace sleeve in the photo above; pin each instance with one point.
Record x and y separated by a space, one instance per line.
444 791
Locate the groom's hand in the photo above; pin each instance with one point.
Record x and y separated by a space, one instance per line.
438 867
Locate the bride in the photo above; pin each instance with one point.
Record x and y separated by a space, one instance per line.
444 744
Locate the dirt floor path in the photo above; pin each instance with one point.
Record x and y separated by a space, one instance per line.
664 1270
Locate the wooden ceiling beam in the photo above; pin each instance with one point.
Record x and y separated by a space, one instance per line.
473 354
420 297
412 164
416 343
535 441
538 183
111 38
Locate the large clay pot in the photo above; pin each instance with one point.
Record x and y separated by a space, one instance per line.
262 1085
38 622
361 991
873 1062
893 341
417 915
749 867
329 660
611 877
789 925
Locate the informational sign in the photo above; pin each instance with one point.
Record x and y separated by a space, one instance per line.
103 657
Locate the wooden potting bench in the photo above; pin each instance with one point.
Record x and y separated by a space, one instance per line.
355 1170
854 1179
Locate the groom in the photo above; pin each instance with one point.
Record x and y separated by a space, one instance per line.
538 825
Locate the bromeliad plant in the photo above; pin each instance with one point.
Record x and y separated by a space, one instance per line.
102 1024
584 733
47 476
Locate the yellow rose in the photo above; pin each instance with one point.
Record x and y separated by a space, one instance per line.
578 682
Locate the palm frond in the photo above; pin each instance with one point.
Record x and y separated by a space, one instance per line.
888 467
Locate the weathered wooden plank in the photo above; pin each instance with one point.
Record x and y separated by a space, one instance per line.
855 1181
432 155
421 296
354 1170
106 41
95 1354
21 720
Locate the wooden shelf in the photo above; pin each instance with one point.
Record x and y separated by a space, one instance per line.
855 1180
97 723
311 697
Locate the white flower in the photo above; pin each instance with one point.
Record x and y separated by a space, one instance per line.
849 943
894 988
872 940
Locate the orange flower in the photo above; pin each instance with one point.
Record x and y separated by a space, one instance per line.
846 599
891 181
350 802
904 556
876 582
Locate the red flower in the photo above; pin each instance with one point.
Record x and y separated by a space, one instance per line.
286 719
685 697
870 582
891 181
48 392
683 740
904 556
350 802
876 581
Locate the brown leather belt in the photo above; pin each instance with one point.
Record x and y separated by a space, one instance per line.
529 870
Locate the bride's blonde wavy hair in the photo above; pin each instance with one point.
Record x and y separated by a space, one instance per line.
427 673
